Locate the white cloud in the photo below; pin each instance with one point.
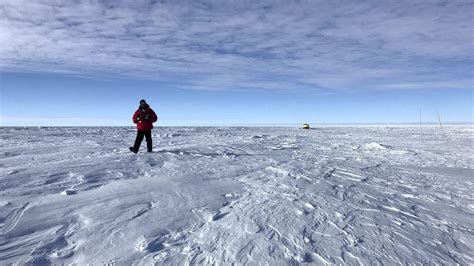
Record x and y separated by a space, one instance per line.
59 121
246 44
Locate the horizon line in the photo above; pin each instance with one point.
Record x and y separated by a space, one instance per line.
264 125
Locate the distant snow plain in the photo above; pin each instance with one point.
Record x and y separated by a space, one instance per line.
243 195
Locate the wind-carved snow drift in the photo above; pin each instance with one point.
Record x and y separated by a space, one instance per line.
237 195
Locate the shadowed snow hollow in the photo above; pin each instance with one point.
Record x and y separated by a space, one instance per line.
237 195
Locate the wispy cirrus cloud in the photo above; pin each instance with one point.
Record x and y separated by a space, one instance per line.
274 45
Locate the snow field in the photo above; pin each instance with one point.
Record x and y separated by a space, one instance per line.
245 195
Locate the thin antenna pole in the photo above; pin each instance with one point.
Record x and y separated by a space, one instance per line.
421 128
441 125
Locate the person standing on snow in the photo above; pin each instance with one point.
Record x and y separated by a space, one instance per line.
144 117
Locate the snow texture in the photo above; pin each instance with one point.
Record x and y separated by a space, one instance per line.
245 195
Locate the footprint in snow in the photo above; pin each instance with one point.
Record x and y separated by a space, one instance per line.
309 205
68 192
208 216
155 244
219 216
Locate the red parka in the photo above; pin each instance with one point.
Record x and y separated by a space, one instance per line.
144 118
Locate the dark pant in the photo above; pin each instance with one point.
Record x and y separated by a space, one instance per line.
139 139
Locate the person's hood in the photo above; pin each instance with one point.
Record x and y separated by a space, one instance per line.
146 106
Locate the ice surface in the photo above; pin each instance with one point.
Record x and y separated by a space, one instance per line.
237 195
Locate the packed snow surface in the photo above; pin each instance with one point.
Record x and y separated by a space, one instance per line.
244 195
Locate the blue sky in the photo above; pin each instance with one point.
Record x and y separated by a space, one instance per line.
235 62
